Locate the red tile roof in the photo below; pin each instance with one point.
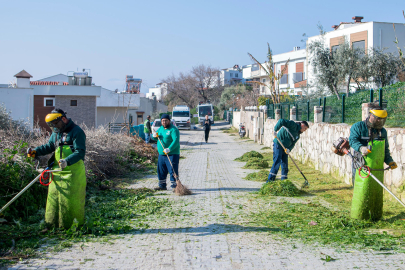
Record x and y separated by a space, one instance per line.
47 83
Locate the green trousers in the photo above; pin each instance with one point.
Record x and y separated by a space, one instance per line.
367 203
66 193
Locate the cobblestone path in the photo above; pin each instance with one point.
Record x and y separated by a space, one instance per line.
209 229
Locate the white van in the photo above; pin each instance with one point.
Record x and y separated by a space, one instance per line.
203 110
181 115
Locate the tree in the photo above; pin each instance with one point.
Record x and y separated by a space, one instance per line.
238 96
384 66
180 89
325 66
274 80
207 82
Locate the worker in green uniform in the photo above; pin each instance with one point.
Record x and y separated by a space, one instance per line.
168 148
369 141
67 191
289 133
147 129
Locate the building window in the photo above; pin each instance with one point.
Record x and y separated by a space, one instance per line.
264 80
236 75
230 75
73 103
284 79
298 77
361 45
334 48
49 102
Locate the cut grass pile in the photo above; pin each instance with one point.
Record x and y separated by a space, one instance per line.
249 155
314 223
108 212
260 176
256 163
280 188
265 148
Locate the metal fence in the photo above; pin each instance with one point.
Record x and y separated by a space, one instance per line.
347 109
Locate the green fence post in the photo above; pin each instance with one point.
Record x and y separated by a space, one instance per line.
289 116
371 95
381 97
274 113
308 110
281 112
296 111
324 109
343 107
320 102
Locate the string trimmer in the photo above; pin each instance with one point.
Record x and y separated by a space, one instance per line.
180 188
306 183
45 178
341 147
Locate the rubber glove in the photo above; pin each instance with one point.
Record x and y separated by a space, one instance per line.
155 135
364 151
275 134
31 153
166 151
393 165
62 163
287 151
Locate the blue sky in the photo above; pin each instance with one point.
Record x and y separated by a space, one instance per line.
153 39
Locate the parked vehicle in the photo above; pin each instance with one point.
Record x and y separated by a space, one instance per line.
203 110
181 115
156 124
242 130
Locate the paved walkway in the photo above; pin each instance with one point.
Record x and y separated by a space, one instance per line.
209 229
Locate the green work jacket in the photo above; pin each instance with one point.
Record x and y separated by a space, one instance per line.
170 137
74 136
359 137
146 126
289 133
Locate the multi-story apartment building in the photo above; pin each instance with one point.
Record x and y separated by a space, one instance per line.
365 35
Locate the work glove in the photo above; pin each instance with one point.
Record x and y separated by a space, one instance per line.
62 163
31 153
364 151
393 165
166 151
287 151
155 134
275 134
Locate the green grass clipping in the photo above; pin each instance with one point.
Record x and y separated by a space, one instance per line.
249 155
283 188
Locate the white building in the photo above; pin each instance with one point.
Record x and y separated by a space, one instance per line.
231 76
294 76
364 35
159 91
18 99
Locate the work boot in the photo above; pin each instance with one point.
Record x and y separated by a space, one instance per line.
160 188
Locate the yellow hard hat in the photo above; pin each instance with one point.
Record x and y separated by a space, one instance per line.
379 113
53 116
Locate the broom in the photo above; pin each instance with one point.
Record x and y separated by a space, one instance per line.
180 188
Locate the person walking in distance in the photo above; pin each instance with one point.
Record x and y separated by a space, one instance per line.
147 129
207 128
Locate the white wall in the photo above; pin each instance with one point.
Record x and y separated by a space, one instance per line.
384 36
108 98
20 102
66 90
107 115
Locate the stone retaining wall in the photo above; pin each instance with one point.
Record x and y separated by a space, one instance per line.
314 147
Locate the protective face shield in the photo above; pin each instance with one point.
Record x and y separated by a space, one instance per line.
54 121
377 119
